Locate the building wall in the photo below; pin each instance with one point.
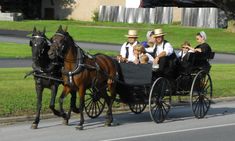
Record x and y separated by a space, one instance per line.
177 14
79 10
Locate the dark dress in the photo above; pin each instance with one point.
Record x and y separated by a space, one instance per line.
203 62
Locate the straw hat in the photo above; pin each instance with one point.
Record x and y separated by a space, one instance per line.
158 32
132 33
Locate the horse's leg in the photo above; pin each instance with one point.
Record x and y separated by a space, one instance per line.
73 102
61 101
54 89
81 107
39 90
110 99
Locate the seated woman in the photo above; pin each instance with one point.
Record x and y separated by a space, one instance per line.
204 49
149 44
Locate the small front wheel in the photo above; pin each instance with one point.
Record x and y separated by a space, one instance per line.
137 108
94 104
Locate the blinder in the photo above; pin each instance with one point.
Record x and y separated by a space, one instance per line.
40 45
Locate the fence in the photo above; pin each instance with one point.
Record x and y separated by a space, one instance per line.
160 15
198 17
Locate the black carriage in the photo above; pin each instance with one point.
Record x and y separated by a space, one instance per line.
139 87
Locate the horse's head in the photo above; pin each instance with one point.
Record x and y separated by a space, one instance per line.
38 43
59 44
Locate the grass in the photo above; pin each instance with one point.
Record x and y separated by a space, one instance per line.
13 50
18 95
106 32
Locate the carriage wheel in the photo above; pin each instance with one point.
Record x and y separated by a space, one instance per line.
160 100
94 104
137 108
201 94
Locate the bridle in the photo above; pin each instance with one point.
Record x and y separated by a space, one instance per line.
41 46
60 50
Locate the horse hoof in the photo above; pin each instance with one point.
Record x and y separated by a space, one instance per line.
34 126
66 122
79 127
76 110
112 124
107 124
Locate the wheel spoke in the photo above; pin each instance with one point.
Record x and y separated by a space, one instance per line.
95 106
90 109
89 103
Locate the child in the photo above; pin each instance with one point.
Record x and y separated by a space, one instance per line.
182 55
139 51
144 59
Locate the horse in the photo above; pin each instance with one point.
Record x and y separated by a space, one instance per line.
44 70
82 71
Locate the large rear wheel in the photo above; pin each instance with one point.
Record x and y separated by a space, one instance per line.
201 94
160 100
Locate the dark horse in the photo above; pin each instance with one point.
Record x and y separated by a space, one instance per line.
44 70
82 71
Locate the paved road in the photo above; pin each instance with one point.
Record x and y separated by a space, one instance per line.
218 125
219 58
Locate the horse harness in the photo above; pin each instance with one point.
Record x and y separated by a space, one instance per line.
81 66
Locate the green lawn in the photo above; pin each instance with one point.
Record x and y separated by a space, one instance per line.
107 32
13 50
18 95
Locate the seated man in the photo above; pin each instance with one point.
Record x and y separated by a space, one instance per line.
164 54
126 51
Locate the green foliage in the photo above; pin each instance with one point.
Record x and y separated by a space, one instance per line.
95 16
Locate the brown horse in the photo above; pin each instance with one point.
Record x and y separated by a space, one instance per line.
81 71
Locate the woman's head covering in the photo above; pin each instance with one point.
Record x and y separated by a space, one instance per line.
203 35
149 34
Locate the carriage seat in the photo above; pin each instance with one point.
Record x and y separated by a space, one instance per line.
136 74
196 61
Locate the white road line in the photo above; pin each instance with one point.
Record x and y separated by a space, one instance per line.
170 132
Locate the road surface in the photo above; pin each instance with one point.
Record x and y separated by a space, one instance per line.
218 125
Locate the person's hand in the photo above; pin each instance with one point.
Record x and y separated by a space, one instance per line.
136 61
156 60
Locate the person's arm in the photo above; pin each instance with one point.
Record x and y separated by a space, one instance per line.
156 59
151 59
123 50
194 49
168 50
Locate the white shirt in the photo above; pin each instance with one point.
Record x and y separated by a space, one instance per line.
167 48
150 49
181 55
130 49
